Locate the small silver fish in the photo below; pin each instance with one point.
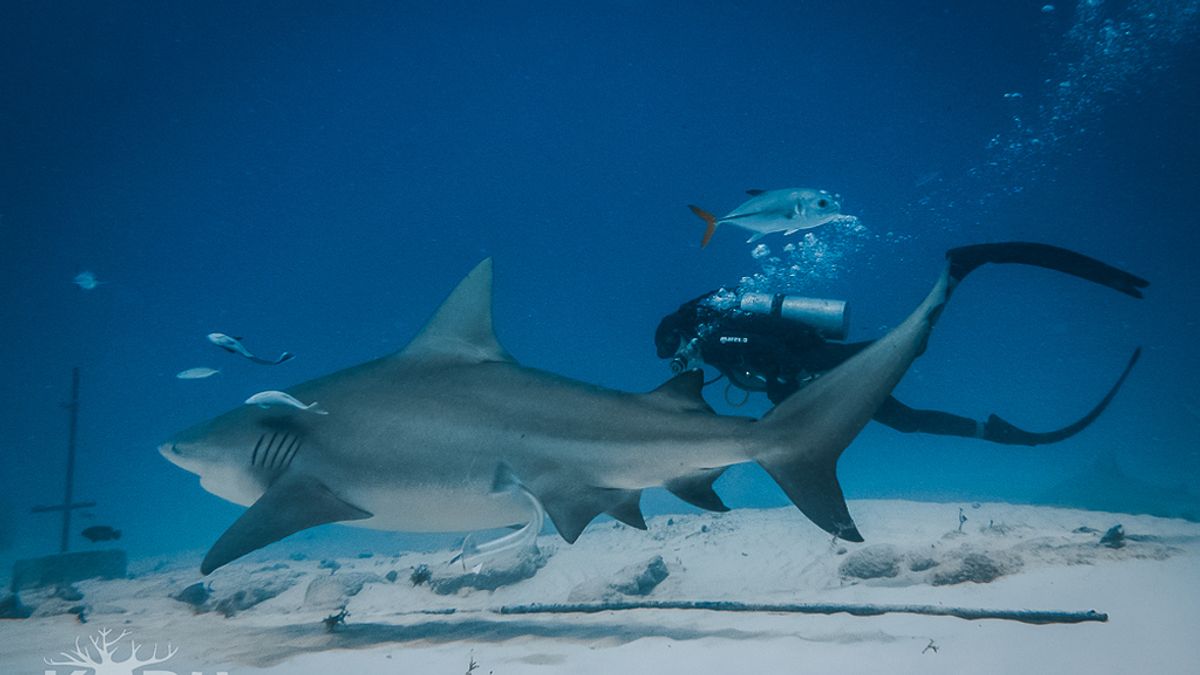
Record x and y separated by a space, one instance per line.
788 210
266 399
234 345
196 373
86 280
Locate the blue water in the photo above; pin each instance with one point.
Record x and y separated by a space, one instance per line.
316 179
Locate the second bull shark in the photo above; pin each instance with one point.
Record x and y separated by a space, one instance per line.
451 434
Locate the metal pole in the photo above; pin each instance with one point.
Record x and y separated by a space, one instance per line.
74 411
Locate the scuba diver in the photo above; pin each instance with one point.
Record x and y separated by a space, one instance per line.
778 343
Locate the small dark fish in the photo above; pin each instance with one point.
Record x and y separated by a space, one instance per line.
101 533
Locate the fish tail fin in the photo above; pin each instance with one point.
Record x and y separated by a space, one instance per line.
286 356
709 219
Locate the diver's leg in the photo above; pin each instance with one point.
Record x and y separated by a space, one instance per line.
900 417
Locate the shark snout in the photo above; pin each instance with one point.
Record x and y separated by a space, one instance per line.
173 454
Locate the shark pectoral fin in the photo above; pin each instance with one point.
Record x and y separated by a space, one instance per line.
461 329
629 511
292 503
813 487
697 490
682 393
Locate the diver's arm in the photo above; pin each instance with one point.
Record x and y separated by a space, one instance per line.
900 417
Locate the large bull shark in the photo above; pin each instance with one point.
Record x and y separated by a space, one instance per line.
452 434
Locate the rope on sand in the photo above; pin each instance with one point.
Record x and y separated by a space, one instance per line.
972 614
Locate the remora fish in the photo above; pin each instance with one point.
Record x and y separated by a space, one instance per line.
234 346
196 373
452 434
788 210
266 399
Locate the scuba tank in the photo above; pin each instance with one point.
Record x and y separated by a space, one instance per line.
828 318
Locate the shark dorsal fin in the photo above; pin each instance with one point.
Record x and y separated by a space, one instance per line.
461 329
682 393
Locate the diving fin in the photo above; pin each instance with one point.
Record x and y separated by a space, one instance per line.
998 430
964 259
294 502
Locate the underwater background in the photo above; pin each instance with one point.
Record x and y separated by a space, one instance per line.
318 178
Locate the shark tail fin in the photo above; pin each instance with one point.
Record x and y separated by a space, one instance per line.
709 219
833 409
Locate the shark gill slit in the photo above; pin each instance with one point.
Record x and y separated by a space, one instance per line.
291 453
254 455
272 459
267 450
286 447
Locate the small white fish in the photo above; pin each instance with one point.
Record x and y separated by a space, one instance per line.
788 210
266 399
234 345
196 373
86 280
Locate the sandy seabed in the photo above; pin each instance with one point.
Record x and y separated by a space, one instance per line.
266 615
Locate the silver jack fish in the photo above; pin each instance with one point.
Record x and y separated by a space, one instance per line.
788 211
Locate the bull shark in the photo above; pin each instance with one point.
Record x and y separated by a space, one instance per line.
451 434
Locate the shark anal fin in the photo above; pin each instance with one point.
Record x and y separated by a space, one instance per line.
697 490
682 393
572 506
629 511
813 487
292 503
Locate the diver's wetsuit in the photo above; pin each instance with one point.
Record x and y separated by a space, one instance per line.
777 356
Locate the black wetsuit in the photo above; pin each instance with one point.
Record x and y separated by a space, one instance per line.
777 356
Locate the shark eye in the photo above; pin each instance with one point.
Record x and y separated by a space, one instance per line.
822 203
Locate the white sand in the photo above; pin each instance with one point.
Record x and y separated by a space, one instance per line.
1150 589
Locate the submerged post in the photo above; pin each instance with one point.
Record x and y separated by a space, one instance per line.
69 489
73 408
64 567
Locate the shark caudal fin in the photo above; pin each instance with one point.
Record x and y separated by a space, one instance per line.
709 219
803 437
806 433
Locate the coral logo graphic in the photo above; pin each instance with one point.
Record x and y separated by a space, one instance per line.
101 657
